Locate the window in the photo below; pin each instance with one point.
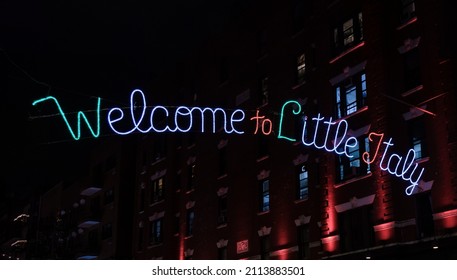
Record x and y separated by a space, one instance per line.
156 231
223 70
264 195
222 253
262 42
303 182
159 148
191 177
412 75
417 135
263 91
348 33
190 222
265 247
351 95
142 197
356 229
303 241
301 69
177 223
140 238
424 215
262 146
222 161
408 10
222 210
109 196
353 166
107 231
157 190
303 9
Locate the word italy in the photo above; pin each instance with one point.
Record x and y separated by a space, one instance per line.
318 132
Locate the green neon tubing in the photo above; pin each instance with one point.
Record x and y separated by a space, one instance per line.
80 115
295 112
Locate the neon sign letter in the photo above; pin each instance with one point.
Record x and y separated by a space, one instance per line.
295 112
76 136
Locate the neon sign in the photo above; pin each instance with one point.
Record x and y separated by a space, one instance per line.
182 119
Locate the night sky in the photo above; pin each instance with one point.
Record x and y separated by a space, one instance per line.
76 50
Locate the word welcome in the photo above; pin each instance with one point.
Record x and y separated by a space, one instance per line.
318 132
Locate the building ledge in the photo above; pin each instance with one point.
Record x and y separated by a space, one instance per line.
344 53
409 22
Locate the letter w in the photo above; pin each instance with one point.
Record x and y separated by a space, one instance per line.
76 136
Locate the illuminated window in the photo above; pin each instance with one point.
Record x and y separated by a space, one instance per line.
222 210
417 135
157 190
303 241
265 247
408 10
356 229
412 73
264 195
353 166
348 33
263 90
156 231
190 217
191 177
301 68
351 95
303 182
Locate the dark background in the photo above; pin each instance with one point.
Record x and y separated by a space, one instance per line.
75 51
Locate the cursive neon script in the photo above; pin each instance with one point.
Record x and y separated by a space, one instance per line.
160 119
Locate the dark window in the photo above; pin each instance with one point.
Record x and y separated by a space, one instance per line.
356 229
351 95
262 146
140 238
157 190
302 10
222 253
223 70
262 42
191 176
159 148
107 231
109 196
190 222
348 33
417 135
408 10
142 198
263 91
301 69
303 182
177 224
424 215
155 232
303 241
412 76
110 163
265 247
222 210
223 161
352 166
92 241
264 195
